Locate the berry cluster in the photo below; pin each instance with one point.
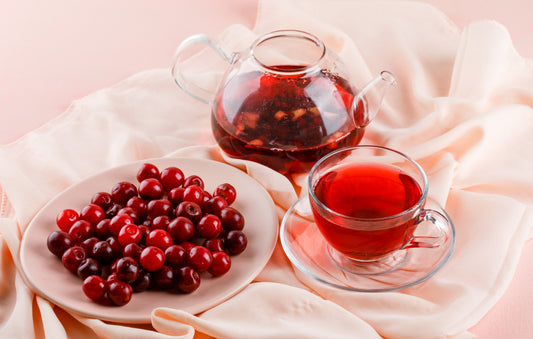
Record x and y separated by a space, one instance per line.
160 234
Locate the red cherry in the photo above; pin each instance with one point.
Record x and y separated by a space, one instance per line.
119 293
101 230
92 213
160 207
73 257
200 258
138 205
215 205
119 221
150 189
159 238
181 229
132 213
146 171
66 218
152 258
95 288
171 177
161 222
102 199
221 263
88 245
143 282
214 244
127 269
187 279
227 191
115 246
235 242
113 210
132 250
129 234
175 256
123 191
58 242
88 267
81 230
193 180
164 277
194 194
176 195
190 210
231 219
209 226
103 252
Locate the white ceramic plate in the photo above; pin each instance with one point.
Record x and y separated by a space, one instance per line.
51 280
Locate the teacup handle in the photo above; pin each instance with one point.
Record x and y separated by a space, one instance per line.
436 235
187 86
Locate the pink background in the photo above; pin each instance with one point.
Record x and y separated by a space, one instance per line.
53 52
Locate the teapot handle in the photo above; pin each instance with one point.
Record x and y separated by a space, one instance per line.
187 86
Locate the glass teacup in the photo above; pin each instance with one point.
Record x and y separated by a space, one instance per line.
367 202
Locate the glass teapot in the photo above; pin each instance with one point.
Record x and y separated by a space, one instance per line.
286 101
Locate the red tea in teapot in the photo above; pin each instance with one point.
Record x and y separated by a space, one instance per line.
285 101
285 122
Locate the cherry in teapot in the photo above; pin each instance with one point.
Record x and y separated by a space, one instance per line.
286 101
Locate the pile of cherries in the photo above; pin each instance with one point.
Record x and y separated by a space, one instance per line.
161 234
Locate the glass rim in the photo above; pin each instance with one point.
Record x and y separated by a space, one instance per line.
407 211
292 33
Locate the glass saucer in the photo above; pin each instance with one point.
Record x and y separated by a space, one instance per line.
309 252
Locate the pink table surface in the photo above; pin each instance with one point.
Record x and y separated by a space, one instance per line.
54 52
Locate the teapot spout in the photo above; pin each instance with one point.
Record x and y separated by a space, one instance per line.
368 101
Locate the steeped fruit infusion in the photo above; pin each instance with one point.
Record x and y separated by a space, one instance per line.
285 122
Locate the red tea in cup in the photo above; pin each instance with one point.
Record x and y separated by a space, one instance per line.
367 202
365 193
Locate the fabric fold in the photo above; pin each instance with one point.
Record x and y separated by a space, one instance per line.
272 311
